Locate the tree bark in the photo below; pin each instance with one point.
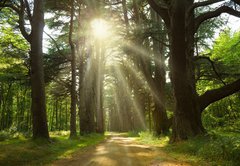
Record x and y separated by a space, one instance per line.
38 107
73 131
187 116
99 86
159 81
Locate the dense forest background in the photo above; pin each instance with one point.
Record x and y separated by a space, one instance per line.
121 66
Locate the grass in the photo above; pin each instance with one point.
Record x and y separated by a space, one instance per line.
23 151
213 149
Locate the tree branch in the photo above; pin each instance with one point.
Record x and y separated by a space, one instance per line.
205 3
212 14
55 43
20 11
213 66
21 22
162 11
28 11
217 94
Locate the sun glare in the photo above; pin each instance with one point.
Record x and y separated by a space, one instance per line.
100 28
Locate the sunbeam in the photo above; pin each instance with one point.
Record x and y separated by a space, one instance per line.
136 105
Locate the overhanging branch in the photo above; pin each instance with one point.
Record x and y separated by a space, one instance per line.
217 94
212 14
20 11
205 3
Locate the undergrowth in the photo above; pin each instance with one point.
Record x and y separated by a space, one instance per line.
25 151
216 148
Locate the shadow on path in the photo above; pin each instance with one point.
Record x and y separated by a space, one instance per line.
119 151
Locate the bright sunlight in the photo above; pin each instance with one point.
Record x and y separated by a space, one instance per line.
100 28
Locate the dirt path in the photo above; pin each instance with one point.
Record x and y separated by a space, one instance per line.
119 151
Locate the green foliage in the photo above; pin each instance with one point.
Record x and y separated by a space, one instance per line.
223 115
149 138
24 151
226 48
222 147
217 148
133 134
12 44
13 54
206 31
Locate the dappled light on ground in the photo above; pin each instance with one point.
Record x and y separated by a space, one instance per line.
120 151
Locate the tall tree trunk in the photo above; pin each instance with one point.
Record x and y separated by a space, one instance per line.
87 97
66 116
187 119
73 131
159 113
99 84
38 107
56 115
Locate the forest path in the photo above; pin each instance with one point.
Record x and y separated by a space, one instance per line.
118 150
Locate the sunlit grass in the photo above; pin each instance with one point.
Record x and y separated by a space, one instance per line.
148 138
22 151
217 149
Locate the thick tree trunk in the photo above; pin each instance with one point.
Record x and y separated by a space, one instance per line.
40 128
187 116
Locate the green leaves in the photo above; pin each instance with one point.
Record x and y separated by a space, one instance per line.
226 51
12 44
13 54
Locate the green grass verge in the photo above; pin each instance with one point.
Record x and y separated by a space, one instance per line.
217 148
22 151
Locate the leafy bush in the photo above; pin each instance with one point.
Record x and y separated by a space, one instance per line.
222 147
